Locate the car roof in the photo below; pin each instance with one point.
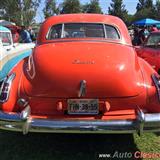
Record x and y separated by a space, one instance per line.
84 18
4 29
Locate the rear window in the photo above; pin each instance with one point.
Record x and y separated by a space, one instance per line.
83 30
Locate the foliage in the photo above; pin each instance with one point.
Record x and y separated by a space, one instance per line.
129 19
157 9
92 7
144 4
140 5
145 13
22 12
145 9
149 4
50 8
70 6
117 8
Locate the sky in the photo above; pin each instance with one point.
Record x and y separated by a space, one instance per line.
130 5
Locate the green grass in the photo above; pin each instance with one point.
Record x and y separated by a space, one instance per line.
35 146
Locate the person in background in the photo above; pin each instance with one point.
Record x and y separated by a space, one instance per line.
146 32
136 39
25 35
154 28
142 35
16 36
32 34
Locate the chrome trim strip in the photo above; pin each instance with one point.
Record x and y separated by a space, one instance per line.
62 33
104 28
25 124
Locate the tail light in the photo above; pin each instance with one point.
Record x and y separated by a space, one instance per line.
156 80
5 88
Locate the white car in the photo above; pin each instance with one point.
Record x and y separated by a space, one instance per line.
10 53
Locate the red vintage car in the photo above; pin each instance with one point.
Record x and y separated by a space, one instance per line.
83 76
150 50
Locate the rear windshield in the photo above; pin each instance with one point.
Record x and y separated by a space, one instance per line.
83 30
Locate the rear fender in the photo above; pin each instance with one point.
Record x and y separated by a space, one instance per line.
153 104
10 104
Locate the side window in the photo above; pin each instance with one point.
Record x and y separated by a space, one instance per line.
55 32
5 38
153 39
111 32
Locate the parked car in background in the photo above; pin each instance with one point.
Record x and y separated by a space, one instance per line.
11 53
83 76
150 50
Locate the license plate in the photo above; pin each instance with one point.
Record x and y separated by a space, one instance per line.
83 106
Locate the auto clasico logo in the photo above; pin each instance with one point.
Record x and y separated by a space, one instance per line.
126 155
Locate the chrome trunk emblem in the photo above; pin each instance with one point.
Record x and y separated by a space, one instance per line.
82 90
77 61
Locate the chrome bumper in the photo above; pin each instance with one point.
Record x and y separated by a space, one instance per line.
24 123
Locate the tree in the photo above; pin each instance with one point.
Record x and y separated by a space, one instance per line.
50 8
129 19
149 4
157 9
92 7
140 5
144 13
144 4
22 12
145 8
117 8
71 6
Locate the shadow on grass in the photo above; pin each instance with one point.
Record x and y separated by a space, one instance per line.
157 133
35 146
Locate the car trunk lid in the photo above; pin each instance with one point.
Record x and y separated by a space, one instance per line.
108 69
